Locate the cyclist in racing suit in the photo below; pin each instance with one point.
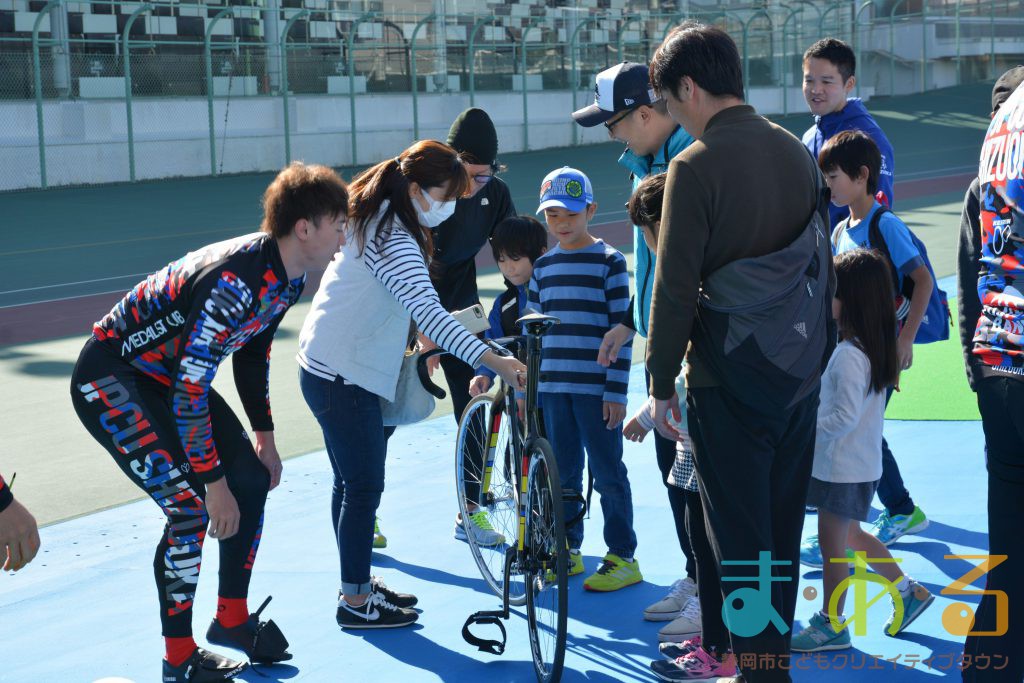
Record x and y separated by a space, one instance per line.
142 387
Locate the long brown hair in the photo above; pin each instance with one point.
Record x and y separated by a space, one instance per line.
868 313
428 163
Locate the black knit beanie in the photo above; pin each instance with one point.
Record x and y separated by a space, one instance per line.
1005 86
473 133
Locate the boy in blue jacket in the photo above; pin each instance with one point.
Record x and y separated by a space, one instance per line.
517 242
829 67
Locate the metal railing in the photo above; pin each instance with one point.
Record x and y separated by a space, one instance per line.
902 46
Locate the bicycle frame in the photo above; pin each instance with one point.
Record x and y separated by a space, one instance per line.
519 457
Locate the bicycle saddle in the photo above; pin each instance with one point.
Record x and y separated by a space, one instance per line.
537 323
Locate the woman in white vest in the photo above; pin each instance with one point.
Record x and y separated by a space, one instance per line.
352 344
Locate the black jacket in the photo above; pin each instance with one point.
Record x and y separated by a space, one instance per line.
968 252
459 239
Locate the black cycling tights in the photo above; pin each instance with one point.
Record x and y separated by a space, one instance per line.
130 415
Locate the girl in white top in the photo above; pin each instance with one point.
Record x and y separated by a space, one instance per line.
353 340
848 449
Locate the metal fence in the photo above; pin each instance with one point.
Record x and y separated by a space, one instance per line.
243 88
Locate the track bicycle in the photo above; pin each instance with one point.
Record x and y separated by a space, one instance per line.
506 467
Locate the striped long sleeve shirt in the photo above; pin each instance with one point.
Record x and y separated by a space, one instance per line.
340 309
398 263
588 290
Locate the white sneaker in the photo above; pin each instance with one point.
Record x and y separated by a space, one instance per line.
668 607
684 626
480 526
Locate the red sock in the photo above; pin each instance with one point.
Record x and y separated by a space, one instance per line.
232 612
179 650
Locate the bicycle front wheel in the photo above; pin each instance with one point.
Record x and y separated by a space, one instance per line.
486 483
547 570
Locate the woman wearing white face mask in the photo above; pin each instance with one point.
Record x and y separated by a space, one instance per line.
352 343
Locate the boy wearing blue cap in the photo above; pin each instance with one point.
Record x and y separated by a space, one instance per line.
584 283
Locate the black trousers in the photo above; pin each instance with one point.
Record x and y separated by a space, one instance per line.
130 415
1001 402
457 375
665 451
714 634
753 469
666 454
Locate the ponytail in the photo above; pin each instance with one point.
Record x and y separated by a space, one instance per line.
428 163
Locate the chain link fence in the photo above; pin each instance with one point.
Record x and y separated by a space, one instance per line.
244 88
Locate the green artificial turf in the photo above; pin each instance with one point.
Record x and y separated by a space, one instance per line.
935 387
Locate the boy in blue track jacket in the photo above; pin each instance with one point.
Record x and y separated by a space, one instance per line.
829 67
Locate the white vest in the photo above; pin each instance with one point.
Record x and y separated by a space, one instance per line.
355 326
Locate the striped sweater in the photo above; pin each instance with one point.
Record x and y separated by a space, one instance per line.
588 290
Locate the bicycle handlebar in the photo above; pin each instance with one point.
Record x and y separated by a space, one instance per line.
499 346
421 370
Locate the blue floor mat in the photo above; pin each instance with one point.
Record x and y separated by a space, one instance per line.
86 608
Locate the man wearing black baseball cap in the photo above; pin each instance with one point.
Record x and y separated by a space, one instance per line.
634 114
618 89
989 265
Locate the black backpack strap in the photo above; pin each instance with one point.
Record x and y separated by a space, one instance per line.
878 242
875 233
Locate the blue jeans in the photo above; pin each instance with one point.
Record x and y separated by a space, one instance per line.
891 490
357 443
574 423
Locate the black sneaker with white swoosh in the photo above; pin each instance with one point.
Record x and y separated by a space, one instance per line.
376 612
203 667
403 600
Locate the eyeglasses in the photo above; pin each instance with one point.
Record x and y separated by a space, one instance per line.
484 178
611 123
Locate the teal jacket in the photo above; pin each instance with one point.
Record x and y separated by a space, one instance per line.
639 168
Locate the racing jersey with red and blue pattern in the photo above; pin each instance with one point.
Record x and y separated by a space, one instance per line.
178 324
6 497
999 335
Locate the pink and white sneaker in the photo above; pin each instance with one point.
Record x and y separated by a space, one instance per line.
699 665
677 650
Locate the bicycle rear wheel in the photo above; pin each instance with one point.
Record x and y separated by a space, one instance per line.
486 480
547 571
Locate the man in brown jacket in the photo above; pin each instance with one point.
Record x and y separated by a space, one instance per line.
745 188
